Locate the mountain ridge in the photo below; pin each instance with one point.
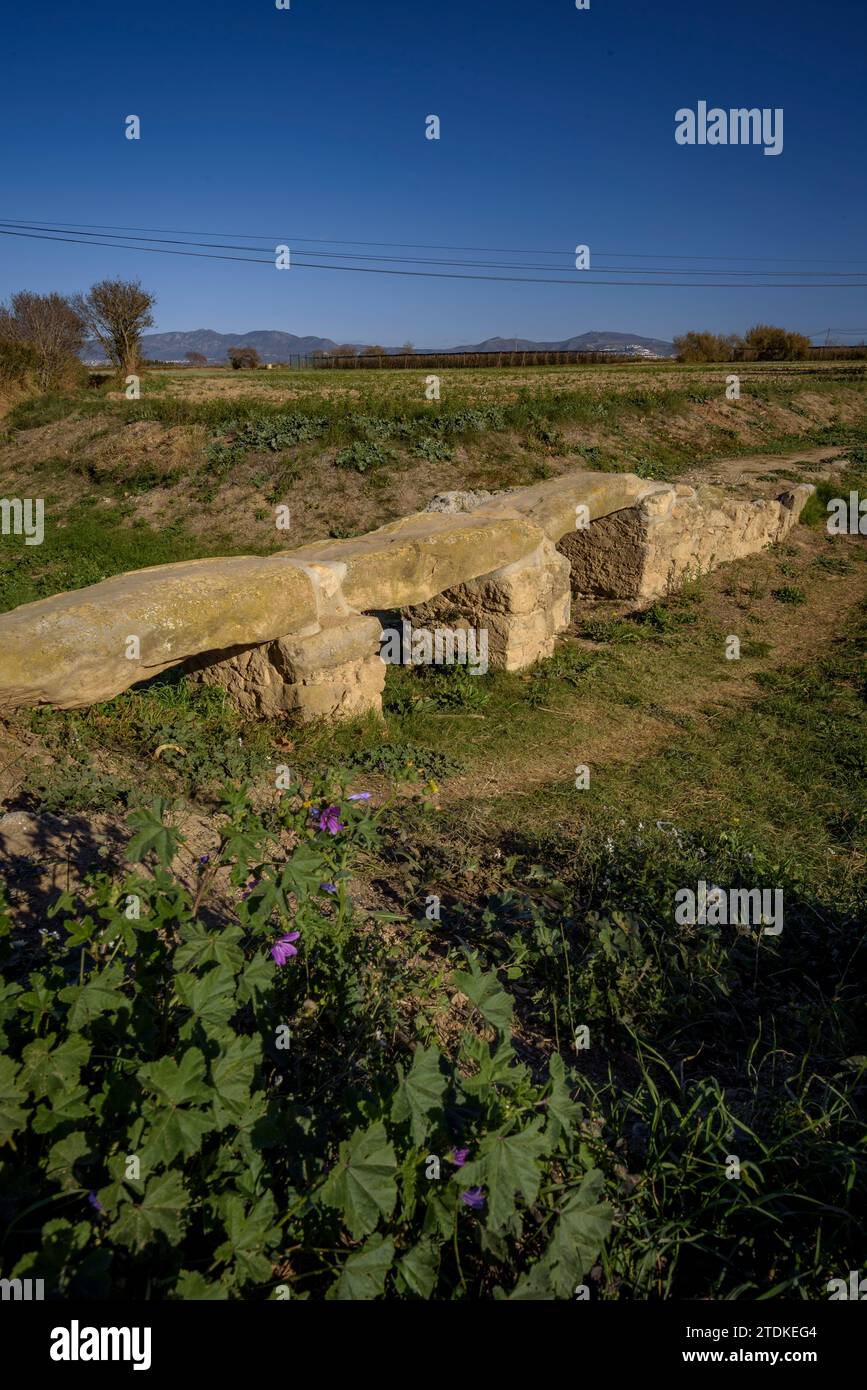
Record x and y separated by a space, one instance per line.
274 345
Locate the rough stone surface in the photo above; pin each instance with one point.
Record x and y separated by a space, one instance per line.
331 674
521 606
70 650
646 551
412 559
452 502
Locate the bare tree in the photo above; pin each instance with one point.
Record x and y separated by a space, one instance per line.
50 325
116 312
197 359
243 357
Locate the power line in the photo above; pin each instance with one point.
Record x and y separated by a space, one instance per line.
414 260
429 246
438 275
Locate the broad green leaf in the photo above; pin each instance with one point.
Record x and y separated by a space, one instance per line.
172 1129
418 1268
101 995
74 1104
563 1112
194 1287
232 1072
13 1117
211 997
47 1070
581 1231
8 992
419 1095
506 1164
201 947
160 1211
362 1277
152 835
177 1083
251 1232
484 990
62 1157
256 980
362 1184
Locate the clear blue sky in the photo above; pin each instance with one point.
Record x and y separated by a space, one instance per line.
557 128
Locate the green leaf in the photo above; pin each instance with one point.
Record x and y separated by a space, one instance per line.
194 1287
152 835
362 1277
256 980
582 1229
13 1117
250 1233
76 1104
201 947
419 1095
362 1185
484 990
48 1070
506 1164
177 1083
8 992
563 1112
211 996
62 1157
232 1072
161 1210
101 995
418 1268
172 1130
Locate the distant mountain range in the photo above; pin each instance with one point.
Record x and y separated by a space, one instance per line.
274 346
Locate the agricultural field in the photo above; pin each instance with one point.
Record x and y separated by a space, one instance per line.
483 1060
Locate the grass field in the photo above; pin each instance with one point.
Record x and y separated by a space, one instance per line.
490 972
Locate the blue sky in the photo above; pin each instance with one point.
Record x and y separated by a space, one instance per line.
557 128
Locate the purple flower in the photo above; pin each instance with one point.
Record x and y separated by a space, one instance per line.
95 1202
204 858
329 820
359 796
328 887
459 1157
474 1198
283 949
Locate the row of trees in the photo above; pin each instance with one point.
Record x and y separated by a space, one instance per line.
763 343
54 327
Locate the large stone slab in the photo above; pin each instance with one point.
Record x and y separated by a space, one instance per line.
71 649
412 559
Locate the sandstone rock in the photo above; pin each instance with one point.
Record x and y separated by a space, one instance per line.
452 502
412 559
521 607
333 673
646 551
70 650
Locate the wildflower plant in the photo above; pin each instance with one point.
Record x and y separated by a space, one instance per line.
202 1095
